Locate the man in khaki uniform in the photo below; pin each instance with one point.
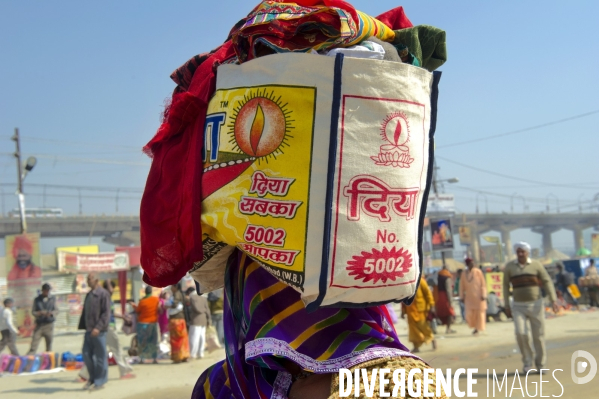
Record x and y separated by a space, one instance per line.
526 277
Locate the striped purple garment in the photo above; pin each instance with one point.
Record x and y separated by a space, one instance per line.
267 326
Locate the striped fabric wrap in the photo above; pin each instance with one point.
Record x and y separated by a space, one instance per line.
369 26
525 280
267 327
289 27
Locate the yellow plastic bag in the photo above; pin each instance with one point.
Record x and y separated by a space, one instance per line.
574 291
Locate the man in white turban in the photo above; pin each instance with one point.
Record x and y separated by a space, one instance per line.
522 245
526 276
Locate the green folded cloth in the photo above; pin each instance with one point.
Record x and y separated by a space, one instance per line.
422 45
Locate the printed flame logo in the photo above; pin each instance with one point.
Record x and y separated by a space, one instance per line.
257 129
396 132
382 265
260 125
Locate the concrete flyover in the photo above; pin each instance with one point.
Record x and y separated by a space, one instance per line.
118 230
544 224
124 230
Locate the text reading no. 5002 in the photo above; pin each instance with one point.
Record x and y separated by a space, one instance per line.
265 235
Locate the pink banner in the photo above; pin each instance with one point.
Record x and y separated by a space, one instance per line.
85 263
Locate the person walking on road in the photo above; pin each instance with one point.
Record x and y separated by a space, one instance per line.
215 300
94 320
443 304
112 341
177 326
473 292
563 281
163 314
44 310
593 288
147 326
526 276
419 330
8 329
456 293
200 319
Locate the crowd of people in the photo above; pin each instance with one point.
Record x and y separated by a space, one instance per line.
44 311
180 318
526 283
177 318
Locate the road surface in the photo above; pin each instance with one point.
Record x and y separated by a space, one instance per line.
495 349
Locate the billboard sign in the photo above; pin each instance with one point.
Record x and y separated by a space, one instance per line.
441 203
24 276
71 262
441 235
495 284
82 249
465 235
595 245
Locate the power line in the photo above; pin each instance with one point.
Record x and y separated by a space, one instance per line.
524 187
83 160
530 199
75 196
81 172
564 204
88 188
528 129
513 177
80 143
90 160
538 200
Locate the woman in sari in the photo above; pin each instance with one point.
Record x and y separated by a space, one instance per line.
418 327
176 326
147 329
163 314
445 311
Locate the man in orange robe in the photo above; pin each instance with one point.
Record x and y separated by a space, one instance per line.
473 292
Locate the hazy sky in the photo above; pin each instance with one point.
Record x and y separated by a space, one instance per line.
85 83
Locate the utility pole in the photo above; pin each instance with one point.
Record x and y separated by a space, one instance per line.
117 199
3 209
80 204
22 170
20 176
435 190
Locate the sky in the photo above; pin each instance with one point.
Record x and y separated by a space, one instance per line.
85 83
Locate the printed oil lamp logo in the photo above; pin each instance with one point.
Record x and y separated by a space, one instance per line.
261 125
396 132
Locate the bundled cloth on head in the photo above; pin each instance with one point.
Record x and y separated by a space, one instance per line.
171 204
522 245
274 27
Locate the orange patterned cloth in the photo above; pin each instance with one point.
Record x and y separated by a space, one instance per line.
179 340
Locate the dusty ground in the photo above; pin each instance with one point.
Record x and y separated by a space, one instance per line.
495 349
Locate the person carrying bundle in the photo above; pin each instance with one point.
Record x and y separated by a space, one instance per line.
283 154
